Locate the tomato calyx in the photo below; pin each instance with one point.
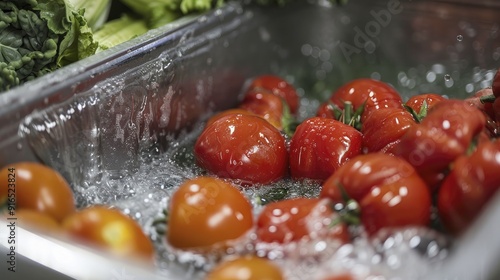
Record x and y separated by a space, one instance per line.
487 99
418 117
159 224
347 115
288 122
472 146
349 210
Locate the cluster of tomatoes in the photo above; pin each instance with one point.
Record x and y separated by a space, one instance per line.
381 163
42 200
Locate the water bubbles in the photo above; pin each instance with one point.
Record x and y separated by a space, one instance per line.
430 77
306 49
376 76
265 36
469 88
144 208
370 47
447 77
460 38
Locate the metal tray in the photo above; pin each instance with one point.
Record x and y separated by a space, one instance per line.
155 88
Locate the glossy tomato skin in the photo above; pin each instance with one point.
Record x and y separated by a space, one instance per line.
206 213
472 182
383 129
441 137
39 188
279 87
371 93
496 110
344 276
246 268
228 112
417 101
496 84
492 127
264 104
294 219
110 230
388 190
243 147
475 101
320 146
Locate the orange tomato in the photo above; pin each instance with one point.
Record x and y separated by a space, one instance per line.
246 268
37 187
37 221
111 230
207 212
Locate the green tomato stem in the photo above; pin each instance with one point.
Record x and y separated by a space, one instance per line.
487 98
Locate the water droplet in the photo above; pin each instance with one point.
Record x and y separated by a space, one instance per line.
460 38
447 77
431 76
376 76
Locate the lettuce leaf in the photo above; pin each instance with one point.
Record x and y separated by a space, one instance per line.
39 36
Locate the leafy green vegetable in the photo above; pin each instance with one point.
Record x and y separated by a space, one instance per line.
284 2
161 12
118 31
38 36
95 11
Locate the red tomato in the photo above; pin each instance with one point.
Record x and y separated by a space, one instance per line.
246 268
492 127
205 213
111 230
37 187
496 84
496 110
473 181
388 190
295 219
264 104
279 87
416 102
383 129
227 112
320 146
446 133
372 93
243 147
476 101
